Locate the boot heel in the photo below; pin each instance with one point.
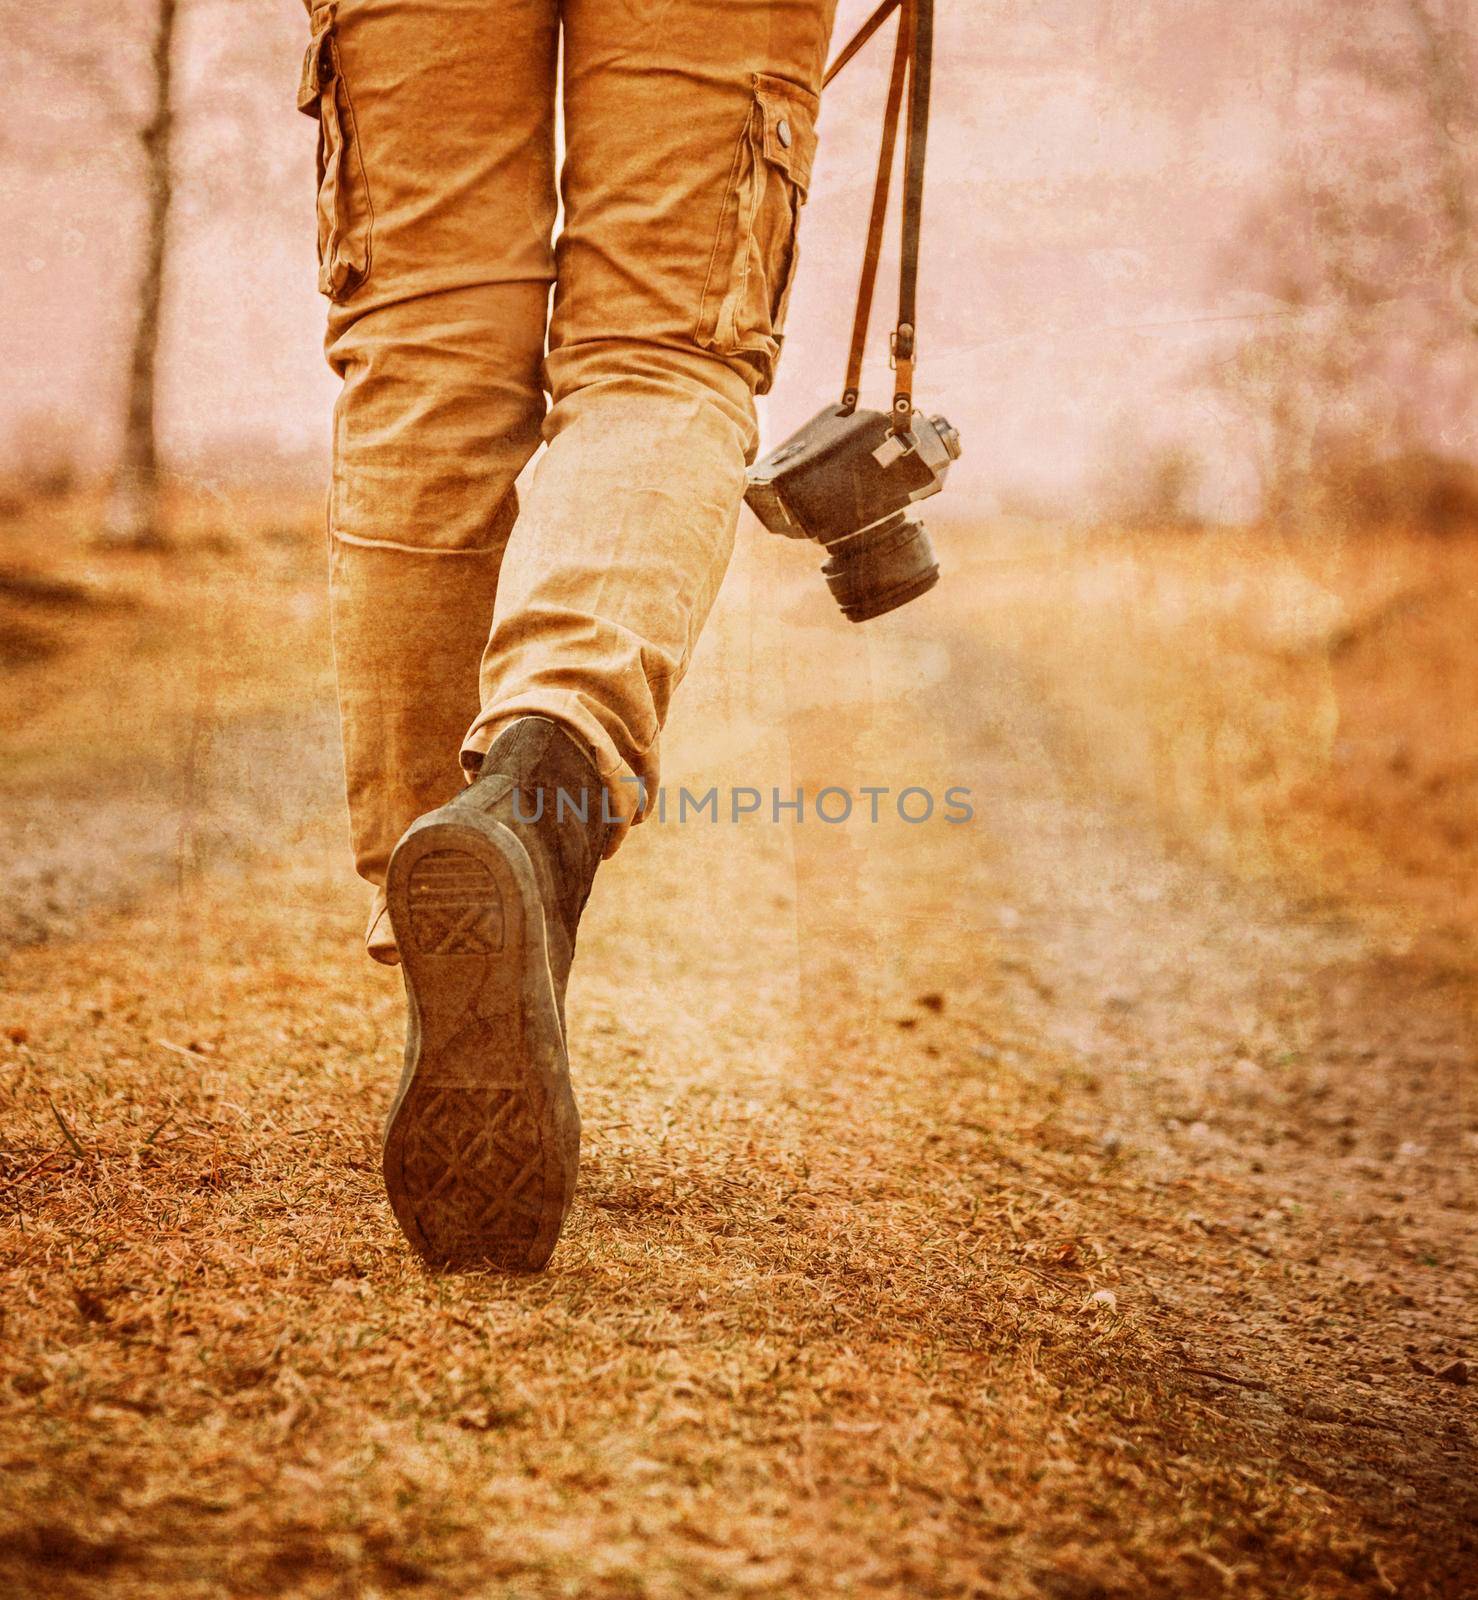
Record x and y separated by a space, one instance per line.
455 907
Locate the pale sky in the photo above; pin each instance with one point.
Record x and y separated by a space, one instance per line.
1094 164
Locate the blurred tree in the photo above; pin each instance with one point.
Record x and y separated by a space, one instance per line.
119 72
164 101
1368 369
133 513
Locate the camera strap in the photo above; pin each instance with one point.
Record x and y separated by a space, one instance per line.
912 67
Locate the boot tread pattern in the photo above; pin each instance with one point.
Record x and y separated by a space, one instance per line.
473 1160
454 906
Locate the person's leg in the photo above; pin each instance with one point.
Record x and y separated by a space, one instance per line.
690 130
436 205
691 127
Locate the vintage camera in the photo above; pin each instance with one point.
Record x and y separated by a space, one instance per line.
846 480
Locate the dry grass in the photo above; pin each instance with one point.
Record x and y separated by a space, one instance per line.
824 1318
1291 706
804 1336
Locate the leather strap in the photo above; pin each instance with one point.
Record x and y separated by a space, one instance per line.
875 222
905 337
912 65
860 38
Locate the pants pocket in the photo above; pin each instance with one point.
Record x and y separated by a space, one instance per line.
345 215
754 256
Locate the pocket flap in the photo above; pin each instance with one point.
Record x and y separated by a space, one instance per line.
318 65
789 118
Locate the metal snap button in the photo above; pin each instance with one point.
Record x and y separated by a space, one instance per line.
783 133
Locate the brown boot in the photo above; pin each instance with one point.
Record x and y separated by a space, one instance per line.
482 1145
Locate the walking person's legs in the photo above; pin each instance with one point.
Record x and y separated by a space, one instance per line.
690 134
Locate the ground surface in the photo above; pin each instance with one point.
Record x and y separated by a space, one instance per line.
1072 1203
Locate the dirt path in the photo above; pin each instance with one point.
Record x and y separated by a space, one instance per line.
1292 1083
1012 1209
104 845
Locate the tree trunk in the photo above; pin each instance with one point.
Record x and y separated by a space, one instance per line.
134 513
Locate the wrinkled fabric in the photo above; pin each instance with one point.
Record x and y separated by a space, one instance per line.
689 131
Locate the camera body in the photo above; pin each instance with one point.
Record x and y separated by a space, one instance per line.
845 480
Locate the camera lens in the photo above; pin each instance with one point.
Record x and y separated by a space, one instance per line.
881 568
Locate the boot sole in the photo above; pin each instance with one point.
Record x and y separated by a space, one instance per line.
482 1143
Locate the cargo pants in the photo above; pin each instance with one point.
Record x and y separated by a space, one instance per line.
689 129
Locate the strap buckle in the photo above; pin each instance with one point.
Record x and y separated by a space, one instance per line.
912 63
